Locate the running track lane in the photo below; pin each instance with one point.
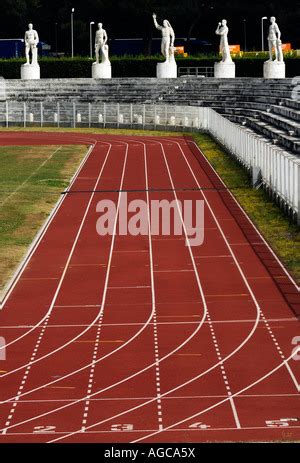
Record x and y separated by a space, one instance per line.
131 302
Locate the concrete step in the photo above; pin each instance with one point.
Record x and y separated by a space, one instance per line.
291 103
273 133
280 122
287 112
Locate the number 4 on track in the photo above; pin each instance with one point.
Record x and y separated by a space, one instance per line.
199 426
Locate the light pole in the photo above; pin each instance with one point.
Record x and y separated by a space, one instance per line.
72 31
91 40
262 33
245 34
56 41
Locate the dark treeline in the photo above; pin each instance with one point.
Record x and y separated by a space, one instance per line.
132 18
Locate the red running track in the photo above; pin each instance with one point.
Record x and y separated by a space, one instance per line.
145 339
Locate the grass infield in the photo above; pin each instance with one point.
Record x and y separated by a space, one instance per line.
32 178
31 181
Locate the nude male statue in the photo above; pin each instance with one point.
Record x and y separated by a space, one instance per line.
101 44
31 42
223 30
274 40
168 38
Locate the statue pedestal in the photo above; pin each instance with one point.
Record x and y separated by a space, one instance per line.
101 71
274 70
224 70
30 71
166 70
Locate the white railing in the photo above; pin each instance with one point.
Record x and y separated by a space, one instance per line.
280 170
76 114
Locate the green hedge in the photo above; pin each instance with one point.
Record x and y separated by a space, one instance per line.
129 66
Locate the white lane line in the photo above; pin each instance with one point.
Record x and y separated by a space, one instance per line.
270 320
62 279
25 377
106 289
249 220
36 348
212 407
186 341
212 331
155 333
175 397
270 373
92 374
279 350
223 372
29 177
245 341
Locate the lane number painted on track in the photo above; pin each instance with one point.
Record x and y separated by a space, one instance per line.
44 429
122 427
281 423
199 426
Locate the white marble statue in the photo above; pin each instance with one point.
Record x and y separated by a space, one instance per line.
101 45
274 41
222 31
31 43
168 39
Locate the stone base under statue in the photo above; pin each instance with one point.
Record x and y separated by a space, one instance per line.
30 72
166 70
224 70
274 70
101 71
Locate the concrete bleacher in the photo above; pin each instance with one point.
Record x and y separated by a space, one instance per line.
265 106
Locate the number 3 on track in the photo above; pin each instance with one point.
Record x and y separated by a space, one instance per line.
122 427
44 429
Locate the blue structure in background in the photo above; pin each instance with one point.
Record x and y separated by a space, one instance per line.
14 48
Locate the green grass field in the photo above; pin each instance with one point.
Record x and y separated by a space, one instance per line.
31 180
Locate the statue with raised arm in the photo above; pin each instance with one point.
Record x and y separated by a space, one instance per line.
274 41
168 38
222 31
31 43
101 45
